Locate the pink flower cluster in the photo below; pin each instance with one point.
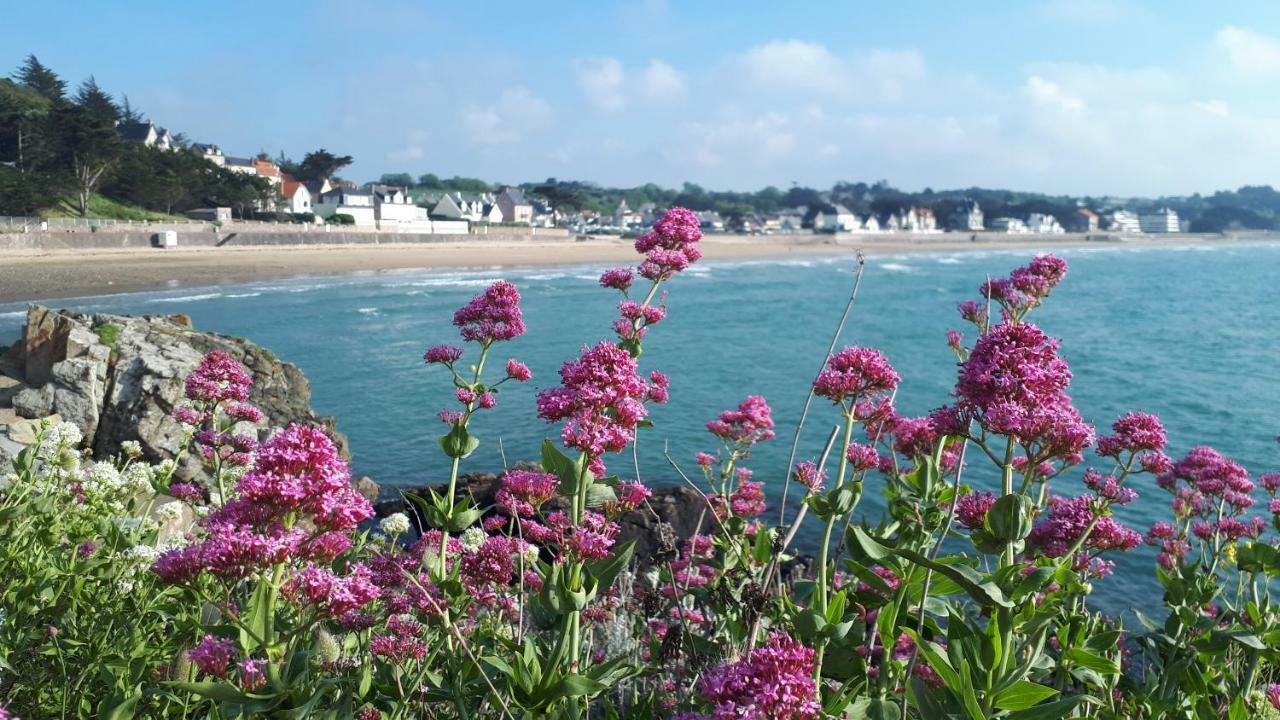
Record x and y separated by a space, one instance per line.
601 400
212 656
329 594
808 474
219 378
298 475
524 491
775 682
1026 287
751 423
746 501
972 509
491 316
671 246
1013 383
1067 521
855 374
1133 433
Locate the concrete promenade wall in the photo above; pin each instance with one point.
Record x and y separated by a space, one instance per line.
85 240
111 240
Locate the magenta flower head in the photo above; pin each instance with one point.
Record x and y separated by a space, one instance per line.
442 355
492 315
861 457
600 398
212 656
218 378
971 510
1134 432
617 278
671 246
1273 695
775 681
809 475
751 423
518 371
856 374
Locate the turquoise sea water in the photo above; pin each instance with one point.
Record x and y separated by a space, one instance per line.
1192 334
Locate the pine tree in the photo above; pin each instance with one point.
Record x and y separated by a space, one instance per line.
40 78
95 101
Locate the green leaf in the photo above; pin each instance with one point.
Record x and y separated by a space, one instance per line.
966 577
458 443
606 570
1022 695
1052 710
124 710
260 618
562 466
1086 659
576 686
213 691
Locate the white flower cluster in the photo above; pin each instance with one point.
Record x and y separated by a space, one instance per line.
473 537
394 524
58 437
131 448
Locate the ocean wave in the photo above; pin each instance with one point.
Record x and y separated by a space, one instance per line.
896 267
186 298
367 310
543 276
949 261
244 295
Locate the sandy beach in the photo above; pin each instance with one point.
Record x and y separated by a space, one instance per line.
46 275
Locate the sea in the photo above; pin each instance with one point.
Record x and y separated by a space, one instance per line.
1189 333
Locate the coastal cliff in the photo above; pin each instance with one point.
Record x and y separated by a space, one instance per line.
119 377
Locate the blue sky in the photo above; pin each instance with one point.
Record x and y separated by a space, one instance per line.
1081 96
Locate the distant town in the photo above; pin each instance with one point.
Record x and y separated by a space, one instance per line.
89 154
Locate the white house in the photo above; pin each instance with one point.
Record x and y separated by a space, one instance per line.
624 216
297 198
212 153
919 220
1011 225
835 218
1123 221
240 165
871 224
514 207
967 217
395 209
1163 220
146 134
1044 224
359 204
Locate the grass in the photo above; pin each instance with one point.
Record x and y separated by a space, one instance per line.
108 333
105 208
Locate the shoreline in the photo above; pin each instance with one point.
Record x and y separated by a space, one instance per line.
64 274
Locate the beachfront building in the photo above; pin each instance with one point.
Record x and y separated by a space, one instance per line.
212 153
358 204
967 217
1125 222
711 221
920 220
791 220
891 223
544 215
241 165
269 170
1011 225
1163 220
835 218
297 198
624 217
871 224
395 210
146 134
1044 224
513 206
1083 220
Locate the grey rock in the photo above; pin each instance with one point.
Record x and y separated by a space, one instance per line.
32 403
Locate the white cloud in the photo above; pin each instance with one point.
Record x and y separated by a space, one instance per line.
1216 108
1248 52
1047 93
784 65
516 112
602 80
661 81
798 67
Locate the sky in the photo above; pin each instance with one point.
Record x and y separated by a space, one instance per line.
1098 97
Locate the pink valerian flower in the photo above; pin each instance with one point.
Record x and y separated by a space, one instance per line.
1273 695
1066 522
744 502
592 539
299 468
1156 463
971 510
524 491
974 312
85 549
855 374
705 460
493 315
617 278
218 378
370 713
1211 474
600 399
518 371
451 417
671 246
775 682
491 563
330 594
861 458
1108 487
1270 482
809 475
1134 432
252 676
213 656
397 649
1026 287
751 423
442 355
631 495
955 340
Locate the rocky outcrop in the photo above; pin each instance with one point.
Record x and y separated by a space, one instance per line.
677 507
118 378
